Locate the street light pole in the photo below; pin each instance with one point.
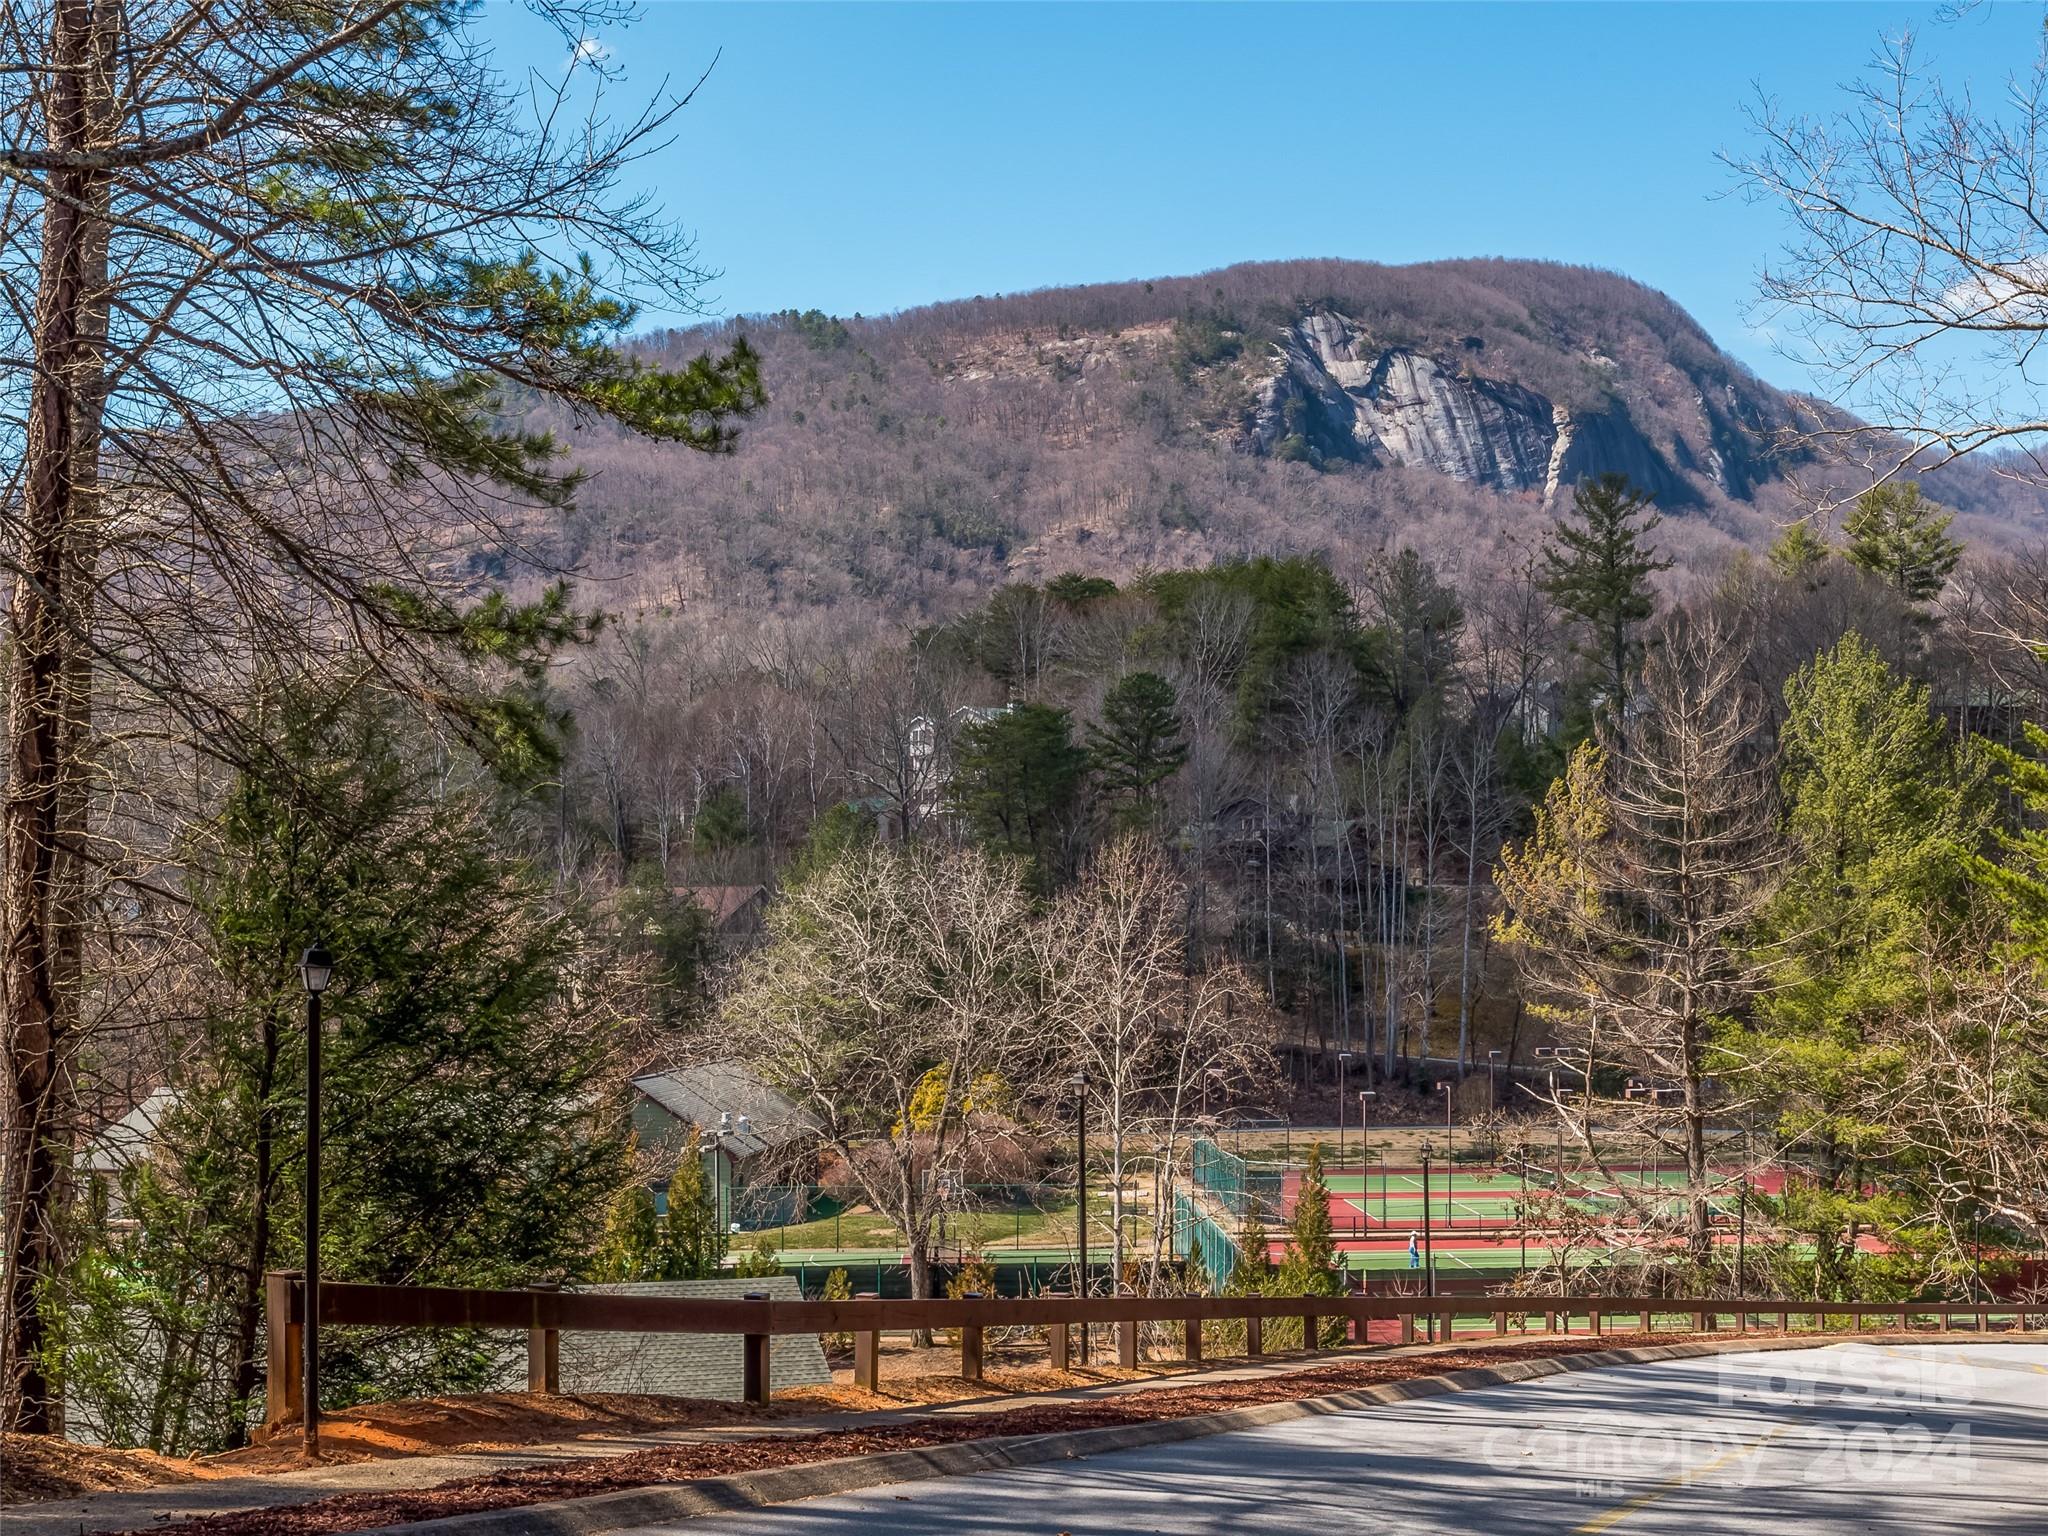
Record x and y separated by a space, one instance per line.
1365 1097
316 969
1428 1245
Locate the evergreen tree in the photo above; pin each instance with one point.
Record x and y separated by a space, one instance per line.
1309 1265
1420 621
631 1249
838 1287
1902 540
474 1124
693 1239
760 1264
301 281
1139 744
1883 813
1801 555
721 822
1252 1275
675 937
1597 570
1293 606
1017 781
838 829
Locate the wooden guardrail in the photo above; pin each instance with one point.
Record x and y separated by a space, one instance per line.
544 1314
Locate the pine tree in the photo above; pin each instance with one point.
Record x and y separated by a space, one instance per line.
1017 781
631 1249
1309 1265
1902 540
1139 744
1884 813
333 266
693 1239
1598 571
838 1287
1252 1275
474 1129
1801 555
675 936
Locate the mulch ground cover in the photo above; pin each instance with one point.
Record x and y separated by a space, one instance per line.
693 1461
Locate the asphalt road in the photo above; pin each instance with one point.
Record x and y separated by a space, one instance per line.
1855 1438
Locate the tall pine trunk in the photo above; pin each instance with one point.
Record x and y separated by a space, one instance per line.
49 682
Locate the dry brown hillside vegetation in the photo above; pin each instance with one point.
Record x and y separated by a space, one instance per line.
909 465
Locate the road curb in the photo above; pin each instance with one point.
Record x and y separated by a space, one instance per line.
782 1485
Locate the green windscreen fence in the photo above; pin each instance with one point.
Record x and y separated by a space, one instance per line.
1239 1186
1196 1234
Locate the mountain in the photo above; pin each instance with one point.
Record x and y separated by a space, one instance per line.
911 463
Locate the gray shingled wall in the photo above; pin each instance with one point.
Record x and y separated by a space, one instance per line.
687 1364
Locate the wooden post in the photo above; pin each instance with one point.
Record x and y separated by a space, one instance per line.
1127 1345
1549 1321
1784 1322
1407 1327
1593 1321
970 1352
543 1352
1905 1321
285 1337
1500 1321
1193 1333
1646 1323
1255 1336
1699 1322
1309 1341
543 1361
754 1363
1056 1345
867 1359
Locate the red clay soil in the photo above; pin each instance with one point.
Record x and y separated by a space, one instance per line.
43 1467
37 1467
484 1421
694 1460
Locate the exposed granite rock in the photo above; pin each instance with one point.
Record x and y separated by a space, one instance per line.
1333 393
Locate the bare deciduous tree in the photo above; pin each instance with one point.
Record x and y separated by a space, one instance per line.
1152 1036
1628 905
892 1005
1916 274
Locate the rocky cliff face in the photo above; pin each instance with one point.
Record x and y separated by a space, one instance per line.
1333 393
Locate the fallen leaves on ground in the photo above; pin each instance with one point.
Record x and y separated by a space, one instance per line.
436 1426
45 1467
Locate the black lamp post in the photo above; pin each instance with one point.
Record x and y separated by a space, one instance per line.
316 969
1428 1245
1079 1083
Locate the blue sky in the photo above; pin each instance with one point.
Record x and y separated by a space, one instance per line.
865 158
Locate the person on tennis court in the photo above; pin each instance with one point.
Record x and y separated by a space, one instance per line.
1414 1253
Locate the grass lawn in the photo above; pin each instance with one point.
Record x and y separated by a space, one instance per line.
1020 1226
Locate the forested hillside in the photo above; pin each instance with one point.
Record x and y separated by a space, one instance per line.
908 466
